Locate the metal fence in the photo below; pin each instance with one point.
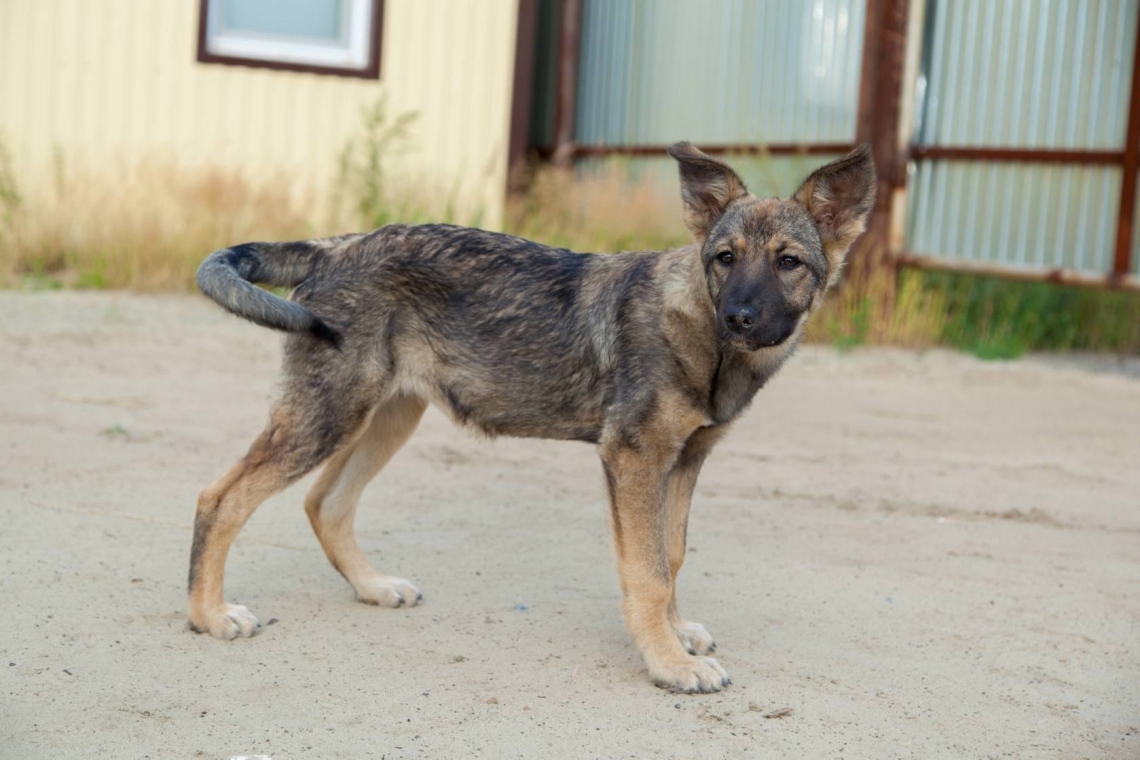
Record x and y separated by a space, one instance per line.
1021 132
1024 135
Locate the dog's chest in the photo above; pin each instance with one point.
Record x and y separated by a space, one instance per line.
737 381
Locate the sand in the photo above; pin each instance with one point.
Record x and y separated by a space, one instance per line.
900 555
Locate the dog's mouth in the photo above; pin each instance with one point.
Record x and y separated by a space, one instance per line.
748 345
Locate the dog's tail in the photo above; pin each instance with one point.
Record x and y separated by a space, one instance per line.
228 277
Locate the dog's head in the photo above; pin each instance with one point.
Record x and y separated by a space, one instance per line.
768 260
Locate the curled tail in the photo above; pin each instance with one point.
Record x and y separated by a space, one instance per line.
228 276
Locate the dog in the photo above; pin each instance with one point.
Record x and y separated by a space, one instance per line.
650 356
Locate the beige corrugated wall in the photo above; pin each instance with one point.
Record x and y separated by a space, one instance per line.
104 80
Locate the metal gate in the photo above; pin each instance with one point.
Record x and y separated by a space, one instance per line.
1021 135
1007 133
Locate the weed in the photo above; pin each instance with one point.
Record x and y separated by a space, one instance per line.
10 199
364 161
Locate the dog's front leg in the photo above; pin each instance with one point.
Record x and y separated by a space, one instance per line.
637 478
678 497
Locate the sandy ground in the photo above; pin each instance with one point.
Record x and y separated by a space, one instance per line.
919 555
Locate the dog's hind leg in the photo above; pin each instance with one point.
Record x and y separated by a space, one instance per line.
678 498
303 431
331 504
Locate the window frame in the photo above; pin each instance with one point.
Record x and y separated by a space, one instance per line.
371 70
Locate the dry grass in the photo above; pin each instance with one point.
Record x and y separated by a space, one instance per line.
146 228
880 306
601 212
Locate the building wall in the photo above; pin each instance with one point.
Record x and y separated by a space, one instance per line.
102 81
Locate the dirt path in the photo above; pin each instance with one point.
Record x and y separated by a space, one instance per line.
919 555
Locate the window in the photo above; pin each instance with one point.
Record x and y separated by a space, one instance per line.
322 36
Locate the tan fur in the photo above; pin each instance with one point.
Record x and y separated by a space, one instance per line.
678 498
639 476
223 509
331 504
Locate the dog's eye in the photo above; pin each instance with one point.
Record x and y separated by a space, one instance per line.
724 257
789 262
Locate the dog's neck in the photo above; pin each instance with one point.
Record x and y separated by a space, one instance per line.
690 322
741 374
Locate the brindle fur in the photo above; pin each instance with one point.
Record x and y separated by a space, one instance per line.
649 355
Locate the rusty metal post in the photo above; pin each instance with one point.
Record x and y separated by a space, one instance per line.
521 92
868 78
565 108
1122 258
880 94
872 268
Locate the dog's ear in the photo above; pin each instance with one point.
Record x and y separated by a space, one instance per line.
839 198
707 188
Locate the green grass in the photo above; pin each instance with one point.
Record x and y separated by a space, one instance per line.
1002 319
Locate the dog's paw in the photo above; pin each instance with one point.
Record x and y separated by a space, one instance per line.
387 591
691 675
694 637
227 623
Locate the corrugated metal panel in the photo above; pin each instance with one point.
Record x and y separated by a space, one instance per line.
719 71
1028 215
103 80
765 176
1028 73
1052 74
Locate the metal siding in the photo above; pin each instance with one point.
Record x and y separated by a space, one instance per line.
1050 74
1028 215
103 81
721 71
1029 74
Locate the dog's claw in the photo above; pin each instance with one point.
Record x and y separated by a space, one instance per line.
692 675
228 623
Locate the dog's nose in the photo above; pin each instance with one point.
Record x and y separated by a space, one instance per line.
741 318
